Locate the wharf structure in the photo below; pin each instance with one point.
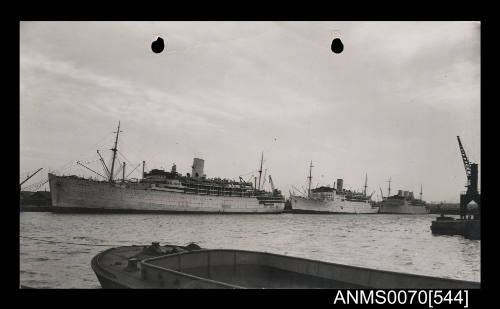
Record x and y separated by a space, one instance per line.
469 224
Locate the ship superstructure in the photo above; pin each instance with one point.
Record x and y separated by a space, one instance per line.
161 191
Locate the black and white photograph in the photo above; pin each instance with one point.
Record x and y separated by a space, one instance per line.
250 155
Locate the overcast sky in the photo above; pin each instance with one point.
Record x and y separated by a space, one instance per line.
391 105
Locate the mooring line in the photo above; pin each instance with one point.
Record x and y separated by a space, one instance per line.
82 244
69 243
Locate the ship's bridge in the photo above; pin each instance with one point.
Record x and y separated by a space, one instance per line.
323 192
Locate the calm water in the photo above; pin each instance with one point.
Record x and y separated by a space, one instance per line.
389 242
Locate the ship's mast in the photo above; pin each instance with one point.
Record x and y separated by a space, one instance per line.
264 178
389 190
366 183
123 174
114 149
260 170
310 178
420 192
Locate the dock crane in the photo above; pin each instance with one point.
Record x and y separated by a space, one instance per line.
472 194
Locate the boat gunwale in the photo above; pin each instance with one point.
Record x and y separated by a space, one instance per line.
95 263
145 261
100 270
183 274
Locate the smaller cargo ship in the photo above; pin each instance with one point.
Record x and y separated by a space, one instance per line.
403 203
331 200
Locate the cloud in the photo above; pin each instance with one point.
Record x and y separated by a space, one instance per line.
390 104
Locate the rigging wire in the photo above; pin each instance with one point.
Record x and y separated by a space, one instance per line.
30 172
120 166
100 144
36 185
133 170
90 162
123 156
252 172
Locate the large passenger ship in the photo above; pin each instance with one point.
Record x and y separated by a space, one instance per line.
161 191
333 200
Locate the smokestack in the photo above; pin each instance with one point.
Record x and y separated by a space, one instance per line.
123 175
197 168
405 193
400 192
340 183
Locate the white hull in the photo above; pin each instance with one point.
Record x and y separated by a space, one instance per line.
337 206
82 195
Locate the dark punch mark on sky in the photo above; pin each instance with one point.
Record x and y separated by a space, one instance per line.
337 46
158 45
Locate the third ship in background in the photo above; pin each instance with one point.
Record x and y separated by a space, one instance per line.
335 200
403 203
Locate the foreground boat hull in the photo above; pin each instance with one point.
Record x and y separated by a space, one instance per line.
72 194
109 284
237 269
